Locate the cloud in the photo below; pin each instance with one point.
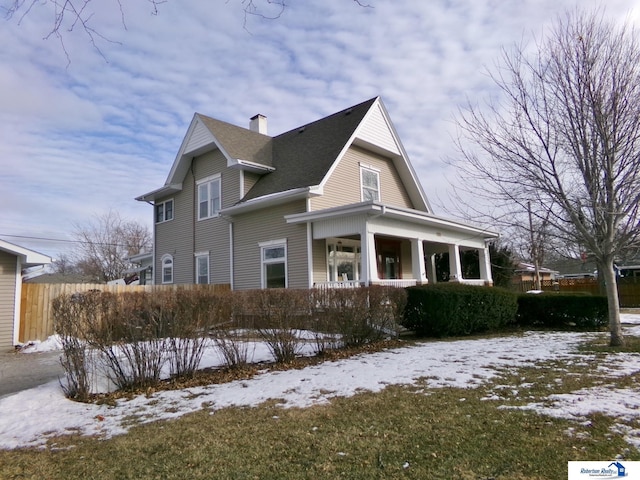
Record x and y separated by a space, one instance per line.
80 138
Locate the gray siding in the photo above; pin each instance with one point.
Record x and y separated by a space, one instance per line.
343 187
319 261
250 180
185 235
251 229
8 264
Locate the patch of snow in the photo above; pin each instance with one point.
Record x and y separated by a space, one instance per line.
51 344
31 417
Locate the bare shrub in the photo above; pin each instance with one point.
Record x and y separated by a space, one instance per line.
362 315
188 316
232 330
281 313
70 314
323 324
131 340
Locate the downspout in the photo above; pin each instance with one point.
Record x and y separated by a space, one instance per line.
154 268
16 302
310 254
309 247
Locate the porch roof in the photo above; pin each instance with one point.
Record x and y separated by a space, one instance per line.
376 209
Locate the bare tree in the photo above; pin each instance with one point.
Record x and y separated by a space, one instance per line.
566 137
64 265
70 15
106 243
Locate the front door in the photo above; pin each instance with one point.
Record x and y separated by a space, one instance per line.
388 259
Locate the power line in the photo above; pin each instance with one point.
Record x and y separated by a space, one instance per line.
48 239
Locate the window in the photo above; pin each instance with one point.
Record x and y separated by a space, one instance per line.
167 269
370 180
202 268
343 260
208 197
274 264
164 211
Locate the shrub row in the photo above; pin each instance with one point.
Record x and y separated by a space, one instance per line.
449 309
453 309
556 310
133 336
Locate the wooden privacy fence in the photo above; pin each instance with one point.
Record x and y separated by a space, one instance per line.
36 321
628 288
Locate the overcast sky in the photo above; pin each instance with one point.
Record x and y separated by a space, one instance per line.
85 129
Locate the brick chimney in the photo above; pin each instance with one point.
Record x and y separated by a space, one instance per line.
258 124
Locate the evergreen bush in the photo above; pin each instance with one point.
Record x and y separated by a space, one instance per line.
453 309
562 310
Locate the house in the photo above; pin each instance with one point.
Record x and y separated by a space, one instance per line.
13 259
335 202
526 272
142 271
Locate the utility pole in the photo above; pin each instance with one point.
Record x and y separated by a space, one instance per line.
534 252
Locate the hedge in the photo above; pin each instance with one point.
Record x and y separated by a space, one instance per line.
453 309
559 311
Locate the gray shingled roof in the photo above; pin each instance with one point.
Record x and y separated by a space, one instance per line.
240 143
303 156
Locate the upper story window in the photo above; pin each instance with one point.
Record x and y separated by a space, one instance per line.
167 268
370 181
202 268
208 197
164 211
209 200
274 264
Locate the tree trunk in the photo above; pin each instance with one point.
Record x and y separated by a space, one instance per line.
611 286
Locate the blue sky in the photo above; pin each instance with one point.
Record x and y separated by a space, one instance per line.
86 131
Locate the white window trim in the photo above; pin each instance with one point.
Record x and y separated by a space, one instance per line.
166 256
164 211
198 255
202 181
345 242
371 169
272 244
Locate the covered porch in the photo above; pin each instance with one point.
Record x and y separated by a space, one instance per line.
374 244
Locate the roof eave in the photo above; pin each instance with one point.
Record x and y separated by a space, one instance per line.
271 199
376 208
28 258
161 192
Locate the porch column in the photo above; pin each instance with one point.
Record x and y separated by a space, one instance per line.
368 258
431 272
455 267
417 261
485 265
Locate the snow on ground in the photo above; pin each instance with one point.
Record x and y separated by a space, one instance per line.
31 417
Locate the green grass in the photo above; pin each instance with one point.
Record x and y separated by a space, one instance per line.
440 433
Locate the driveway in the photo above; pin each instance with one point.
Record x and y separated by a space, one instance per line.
21 371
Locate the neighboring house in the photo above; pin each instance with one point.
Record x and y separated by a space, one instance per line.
335 202
13 259
526 272
61 278
142 272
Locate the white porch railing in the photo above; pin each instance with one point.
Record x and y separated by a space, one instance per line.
401 283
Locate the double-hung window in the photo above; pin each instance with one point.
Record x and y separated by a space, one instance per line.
164 211
370 181
274 264
202 268
209 198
